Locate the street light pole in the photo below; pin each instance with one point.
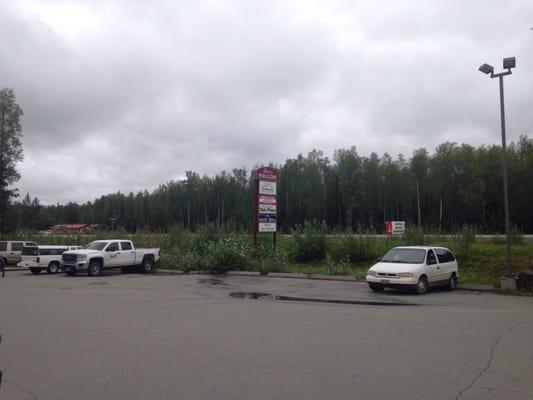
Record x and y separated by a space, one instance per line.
505 186
508 63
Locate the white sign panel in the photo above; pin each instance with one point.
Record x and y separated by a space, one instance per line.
267 208
266 187
267 227
398 227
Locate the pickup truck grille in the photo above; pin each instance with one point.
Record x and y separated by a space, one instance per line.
69 257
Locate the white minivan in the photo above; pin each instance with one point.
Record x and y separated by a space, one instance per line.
418 267
38 258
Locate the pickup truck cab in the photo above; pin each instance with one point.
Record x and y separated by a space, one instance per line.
41 258
104 254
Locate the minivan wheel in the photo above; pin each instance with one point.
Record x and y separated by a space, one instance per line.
35 271
53 268
147 265
452 283
422 285
376 287
95 268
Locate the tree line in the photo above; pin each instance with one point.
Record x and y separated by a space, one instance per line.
441 191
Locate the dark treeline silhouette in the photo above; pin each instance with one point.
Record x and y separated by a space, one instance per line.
455 185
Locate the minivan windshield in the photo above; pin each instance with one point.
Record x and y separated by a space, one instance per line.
95 246
407 256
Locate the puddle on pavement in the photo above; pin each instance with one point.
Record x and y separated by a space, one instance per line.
212 281
269 296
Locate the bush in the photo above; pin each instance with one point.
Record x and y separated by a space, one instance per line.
464 239
414 236
351 248
309 242
205 236
266 259
340 267
230 253
191 261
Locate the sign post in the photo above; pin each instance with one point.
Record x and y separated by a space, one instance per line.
265 202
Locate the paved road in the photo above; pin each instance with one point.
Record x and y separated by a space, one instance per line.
173 337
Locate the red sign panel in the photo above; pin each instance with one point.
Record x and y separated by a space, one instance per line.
266 174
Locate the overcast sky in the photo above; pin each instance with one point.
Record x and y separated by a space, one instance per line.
126 95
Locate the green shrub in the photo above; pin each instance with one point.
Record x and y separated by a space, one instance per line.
414 236
230 253
353 248
309 242
464 239
205 236
339 267
191 261
266 259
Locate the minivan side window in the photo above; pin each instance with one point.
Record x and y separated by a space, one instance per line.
16 246
125 245
445 256
431 259
3 246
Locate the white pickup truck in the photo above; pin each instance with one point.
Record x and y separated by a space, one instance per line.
104 254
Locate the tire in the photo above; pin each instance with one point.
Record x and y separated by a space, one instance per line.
422 285
35 271
95 268
53 268
452 283
147 265
376 287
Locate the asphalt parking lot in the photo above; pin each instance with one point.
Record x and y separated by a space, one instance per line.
184 337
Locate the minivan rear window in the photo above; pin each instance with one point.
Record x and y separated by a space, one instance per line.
3 246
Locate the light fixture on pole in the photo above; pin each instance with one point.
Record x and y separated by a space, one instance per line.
508 64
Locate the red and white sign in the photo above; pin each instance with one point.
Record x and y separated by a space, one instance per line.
395 227
265 199
266 174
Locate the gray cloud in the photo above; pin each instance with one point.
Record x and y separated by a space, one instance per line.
124 95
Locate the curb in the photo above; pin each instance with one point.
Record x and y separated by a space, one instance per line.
476 288
318 277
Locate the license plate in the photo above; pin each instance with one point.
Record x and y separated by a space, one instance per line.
384 281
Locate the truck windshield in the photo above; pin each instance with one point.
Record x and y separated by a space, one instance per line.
407 256
95 246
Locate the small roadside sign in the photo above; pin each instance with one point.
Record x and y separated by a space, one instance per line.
395 227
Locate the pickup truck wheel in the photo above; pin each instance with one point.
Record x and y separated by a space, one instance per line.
147 265
35 271
422 285
53 268
95 268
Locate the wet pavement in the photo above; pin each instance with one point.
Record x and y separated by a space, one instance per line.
185 337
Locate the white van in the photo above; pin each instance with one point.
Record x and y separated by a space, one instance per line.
10 250
37 258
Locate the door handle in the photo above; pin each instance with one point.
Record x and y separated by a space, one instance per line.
438 267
